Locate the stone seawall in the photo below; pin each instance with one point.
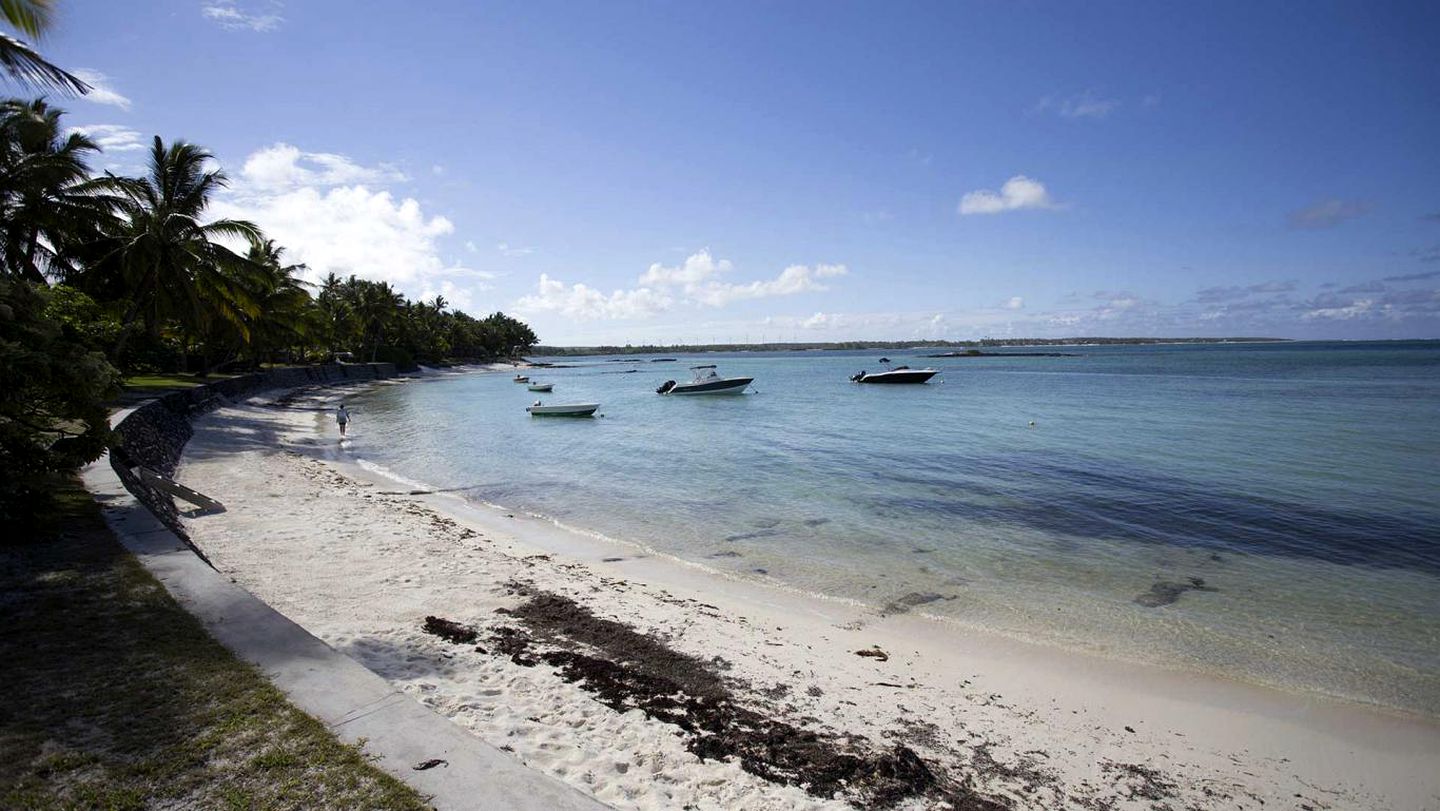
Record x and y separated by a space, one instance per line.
154 435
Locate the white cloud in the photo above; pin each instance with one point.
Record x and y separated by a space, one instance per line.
586 303
1080 105
792 280
696 268
471 246
113 137
693 282
1019 192
1359 308
1015 303
319 207
100 90
513 250
232 15
283 167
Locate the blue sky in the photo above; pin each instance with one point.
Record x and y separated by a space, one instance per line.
815 171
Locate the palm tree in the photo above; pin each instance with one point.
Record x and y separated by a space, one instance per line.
283 312
170 262
32 19
376 306
49 204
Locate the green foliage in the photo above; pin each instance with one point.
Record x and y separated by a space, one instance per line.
53 390
152 280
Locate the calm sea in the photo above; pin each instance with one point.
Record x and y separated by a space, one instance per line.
1271 512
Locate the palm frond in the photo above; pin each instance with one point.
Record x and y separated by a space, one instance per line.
29 17
30 69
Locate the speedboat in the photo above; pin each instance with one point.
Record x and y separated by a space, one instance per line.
521 379
568 410
537 386
899 374
706 381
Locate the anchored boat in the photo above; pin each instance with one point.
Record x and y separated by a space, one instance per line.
567 410
521 379
537 386
900 374
706 381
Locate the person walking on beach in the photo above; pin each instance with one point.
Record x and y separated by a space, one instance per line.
342 416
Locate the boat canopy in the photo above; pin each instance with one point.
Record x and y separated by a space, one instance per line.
703 373
708 366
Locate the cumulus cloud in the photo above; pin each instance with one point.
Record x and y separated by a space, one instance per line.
1019 192
283 167
101 91
793 279
693 282
235 16
113 137
586 303
696 268
321 207
1327 213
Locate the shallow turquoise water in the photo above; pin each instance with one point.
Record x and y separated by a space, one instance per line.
1299 482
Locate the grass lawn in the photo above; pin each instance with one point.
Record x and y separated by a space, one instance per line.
113 697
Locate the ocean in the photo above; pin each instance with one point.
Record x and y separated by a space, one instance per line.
1266 512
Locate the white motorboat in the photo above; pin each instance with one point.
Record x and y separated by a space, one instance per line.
706 381
567 410
538 386
521 379
899 374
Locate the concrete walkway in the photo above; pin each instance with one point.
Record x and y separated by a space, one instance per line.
353 702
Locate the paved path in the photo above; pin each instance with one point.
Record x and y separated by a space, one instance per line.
352 701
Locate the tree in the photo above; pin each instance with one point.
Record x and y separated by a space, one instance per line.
170 263
32 19
53 390
284 313
49 204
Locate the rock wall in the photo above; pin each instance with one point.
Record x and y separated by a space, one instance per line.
154 435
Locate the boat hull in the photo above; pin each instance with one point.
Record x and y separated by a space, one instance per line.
575 410
730 385
544 387
907 376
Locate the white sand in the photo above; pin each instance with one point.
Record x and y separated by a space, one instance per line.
338 550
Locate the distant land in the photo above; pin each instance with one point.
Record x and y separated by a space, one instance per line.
651 349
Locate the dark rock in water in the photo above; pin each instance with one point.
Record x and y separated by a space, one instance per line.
766 523
1165 592
815 522
725 555
900 605
611 560
450 631
921 550
745 536
760 571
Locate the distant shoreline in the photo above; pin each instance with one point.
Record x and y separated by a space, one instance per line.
831 346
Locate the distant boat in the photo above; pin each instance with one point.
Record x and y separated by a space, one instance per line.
900 374
568 410
521 379
541 386
706 381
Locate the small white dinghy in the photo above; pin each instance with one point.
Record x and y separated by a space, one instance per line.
536 386
522 379
567 410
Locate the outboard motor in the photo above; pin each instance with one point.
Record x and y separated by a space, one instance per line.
665 387
856 378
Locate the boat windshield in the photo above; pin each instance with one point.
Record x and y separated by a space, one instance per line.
703 373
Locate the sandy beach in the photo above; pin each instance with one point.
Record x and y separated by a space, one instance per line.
655 683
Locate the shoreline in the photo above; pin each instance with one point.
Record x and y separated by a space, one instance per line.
1202 733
